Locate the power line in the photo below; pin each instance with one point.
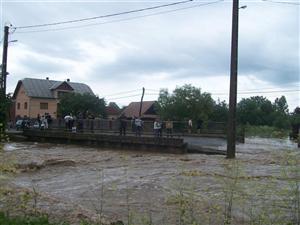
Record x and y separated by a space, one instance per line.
123 92
256 92
104 16
282 2
109 99
120 20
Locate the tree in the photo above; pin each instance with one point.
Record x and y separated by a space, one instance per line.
220 112
258 110
186 102
84 103
281 105
281 117
255 110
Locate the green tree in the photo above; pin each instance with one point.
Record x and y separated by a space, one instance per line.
281 105
255 110
281 117
84 103
220 112
186 102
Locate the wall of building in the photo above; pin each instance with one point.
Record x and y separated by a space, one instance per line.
21 100
35 107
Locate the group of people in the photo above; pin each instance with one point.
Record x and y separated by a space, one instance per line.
137 126
75 123
44 121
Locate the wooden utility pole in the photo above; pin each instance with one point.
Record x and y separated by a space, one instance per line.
3 82
141 105
4 64
231 132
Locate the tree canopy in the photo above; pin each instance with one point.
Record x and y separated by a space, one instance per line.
258 110
186 102
84 103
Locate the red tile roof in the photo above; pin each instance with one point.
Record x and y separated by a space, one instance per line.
133 108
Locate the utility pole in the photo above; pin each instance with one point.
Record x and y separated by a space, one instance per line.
3 83
141 105
231 132
4 63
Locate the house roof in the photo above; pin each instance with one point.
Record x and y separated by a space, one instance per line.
42 88
110 110
133 108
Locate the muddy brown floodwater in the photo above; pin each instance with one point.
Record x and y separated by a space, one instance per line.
119 183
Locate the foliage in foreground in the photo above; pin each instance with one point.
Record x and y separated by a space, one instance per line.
20 220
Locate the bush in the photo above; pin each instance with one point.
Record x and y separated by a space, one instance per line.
5 220
265 131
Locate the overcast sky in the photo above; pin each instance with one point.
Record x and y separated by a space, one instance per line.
165 50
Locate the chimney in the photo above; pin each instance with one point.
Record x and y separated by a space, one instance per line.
47 78
68 80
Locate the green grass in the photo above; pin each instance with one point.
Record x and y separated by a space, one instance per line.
32 220
265 132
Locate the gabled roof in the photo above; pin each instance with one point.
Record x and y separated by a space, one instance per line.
133 108
42 88
60 84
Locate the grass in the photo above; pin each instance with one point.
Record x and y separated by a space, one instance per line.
265 132
32 220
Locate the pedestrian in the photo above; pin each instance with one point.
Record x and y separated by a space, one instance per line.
122 125
138 126
67 119
199 125
38 118
133 124
80 122
49 119
169 127
190 126
44 123
157 128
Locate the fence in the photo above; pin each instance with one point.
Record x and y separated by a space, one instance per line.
112 126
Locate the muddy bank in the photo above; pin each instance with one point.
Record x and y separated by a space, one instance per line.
120 184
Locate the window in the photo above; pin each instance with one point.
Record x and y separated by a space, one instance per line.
18 105
25 105
44 105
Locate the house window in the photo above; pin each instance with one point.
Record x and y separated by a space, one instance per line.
25 105
18 105
44 105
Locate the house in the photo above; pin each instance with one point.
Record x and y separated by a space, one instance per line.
112 111
148 111
40 96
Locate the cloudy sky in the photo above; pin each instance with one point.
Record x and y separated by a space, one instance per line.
162 48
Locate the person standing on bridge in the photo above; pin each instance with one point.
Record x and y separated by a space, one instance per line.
190 126
138 126
123 125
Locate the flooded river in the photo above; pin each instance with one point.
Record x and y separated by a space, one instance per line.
122 185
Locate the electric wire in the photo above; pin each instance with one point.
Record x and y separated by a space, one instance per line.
282 2
223 93
109 99
120 20
104 16
258 92
123 92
